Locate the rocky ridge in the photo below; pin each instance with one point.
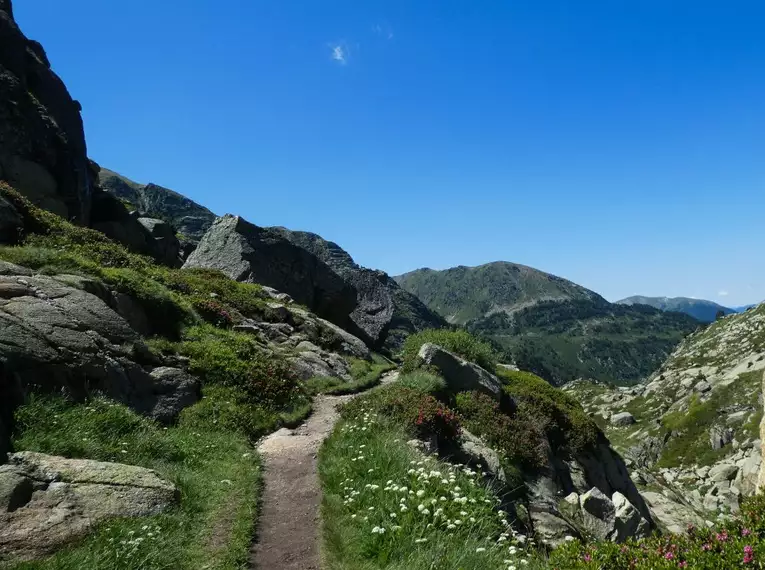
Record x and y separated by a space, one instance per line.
690 432
42 142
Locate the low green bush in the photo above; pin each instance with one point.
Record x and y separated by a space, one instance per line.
567 426
417 412
460 342
424 382
739 543
518 439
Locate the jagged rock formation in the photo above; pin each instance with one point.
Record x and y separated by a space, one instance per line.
246 252
189 218
694 434
56 336
42 144
329 283
47 502
149 236
384 311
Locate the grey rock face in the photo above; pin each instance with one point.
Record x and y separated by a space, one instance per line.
622 419
384 311
47 502
246 252
720 436
164 244
148 236
189 218
42 144
460 374
478 453
10 222
672 515
55 337
598 514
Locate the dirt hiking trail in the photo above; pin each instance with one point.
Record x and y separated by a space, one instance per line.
288 529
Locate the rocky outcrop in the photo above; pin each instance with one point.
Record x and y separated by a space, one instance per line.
42 144
47 502
694 471
148 236
55 337
246 252
460 375
190 219
761 476
384 311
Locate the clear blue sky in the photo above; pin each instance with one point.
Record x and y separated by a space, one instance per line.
618 144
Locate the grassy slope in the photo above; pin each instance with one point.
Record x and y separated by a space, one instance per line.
247 393
216 470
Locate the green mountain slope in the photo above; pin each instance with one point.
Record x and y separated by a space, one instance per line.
700 309
551 326
461 294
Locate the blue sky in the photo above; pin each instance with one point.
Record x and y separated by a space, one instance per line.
618 144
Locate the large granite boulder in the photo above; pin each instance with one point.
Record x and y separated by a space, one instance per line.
384 311
47 502
460 375
42 143
249 253
55 337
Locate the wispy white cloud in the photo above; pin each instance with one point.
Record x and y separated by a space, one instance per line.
383 30
722 293
339 53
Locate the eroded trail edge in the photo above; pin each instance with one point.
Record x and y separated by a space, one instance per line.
288 529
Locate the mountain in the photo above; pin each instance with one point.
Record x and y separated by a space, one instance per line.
698 415
704 311
549 325
461 294
743 308
190 219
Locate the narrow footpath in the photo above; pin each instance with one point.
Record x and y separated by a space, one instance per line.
289 529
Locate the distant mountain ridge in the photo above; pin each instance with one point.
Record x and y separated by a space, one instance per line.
701 309
461 294
549 325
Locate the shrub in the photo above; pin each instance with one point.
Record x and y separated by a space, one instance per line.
235 359
212 311
460 342
419 413
560 416
519 440
739 543
424 382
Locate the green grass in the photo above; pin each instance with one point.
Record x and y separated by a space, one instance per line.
424 382
369 474
365 375
691 445
216 470
460 342
171 298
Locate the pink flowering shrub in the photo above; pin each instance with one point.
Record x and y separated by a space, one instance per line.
739 543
